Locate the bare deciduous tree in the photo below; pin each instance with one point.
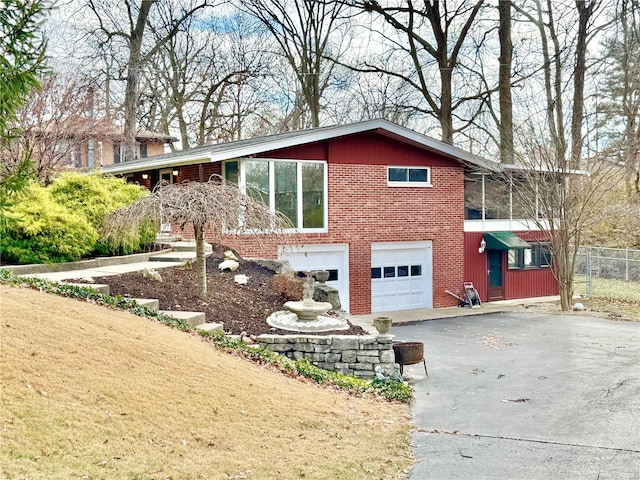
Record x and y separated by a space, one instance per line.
621 92
504 82
431 37
215 209
304 31
58 126
562 203
131 29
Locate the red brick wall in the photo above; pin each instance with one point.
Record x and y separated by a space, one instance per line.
363 210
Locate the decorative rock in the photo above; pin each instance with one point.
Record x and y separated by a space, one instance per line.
349 356
229 255
579 307
345 343
325 293
231 265
241 279
151 274
387 356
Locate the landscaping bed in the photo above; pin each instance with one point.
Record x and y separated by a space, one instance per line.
240 308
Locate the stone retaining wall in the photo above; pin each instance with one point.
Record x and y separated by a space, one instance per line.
346 354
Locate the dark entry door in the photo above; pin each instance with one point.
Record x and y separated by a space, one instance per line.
495 291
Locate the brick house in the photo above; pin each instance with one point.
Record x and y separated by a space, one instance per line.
379 206
85 143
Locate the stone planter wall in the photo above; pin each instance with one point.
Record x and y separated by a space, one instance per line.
346 354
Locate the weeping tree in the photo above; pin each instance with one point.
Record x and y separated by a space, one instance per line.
215 208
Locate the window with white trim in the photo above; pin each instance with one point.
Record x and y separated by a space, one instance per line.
409 176
295 188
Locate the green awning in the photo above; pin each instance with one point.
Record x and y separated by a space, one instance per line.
504 241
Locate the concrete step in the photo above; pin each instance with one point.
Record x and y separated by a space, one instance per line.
97 287
164 238
182 257
214 328
192 319
186 246
151 303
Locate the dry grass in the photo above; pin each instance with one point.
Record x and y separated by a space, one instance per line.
89 392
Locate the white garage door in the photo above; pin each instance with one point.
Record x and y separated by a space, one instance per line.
334 258
401 276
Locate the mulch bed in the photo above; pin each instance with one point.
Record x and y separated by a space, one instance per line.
240 308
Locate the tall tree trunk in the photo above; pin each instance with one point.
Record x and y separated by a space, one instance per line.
133 80
585 10
504 82
201 261
446 104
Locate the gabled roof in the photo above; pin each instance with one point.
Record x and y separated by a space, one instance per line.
255 146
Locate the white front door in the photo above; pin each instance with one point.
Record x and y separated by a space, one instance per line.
401 276
331 257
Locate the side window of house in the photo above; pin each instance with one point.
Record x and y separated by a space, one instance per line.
231 172
143 150
539 256
409 176
116 152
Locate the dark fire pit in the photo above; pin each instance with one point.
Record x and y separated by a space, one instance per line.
408 353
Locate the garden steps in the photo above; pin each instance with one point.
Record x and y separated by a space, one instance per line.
152 304
193 319
181 252
214 328
185 246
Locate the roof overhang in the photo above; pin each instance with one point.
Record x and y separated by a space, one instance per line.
256 146
504 241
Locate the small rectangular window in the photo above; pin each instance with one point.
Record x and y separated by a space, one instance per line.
416 270
545 255
527 258
418 175
389 272
231 172
333 275
116 152
403 271
409 176
514 258
376 272
398 175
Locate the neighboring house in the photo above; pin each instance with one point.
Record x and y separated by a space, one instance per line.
379 206
85 143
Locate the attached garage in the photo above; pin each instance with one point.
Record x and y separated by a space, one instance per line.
334 258
401 276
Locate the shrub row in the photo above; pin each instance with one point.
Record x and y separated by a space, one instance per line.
389 389
60 223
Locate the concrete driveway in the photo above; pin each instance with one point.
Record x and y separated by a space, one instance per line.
526 396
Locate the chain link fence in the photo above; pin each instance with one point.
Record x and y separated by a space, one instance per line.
599 268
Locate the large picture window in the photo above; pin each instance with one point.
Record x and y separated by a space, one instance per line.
297 189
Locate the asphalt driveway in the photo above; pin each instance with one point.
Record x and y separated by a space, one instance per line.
512 396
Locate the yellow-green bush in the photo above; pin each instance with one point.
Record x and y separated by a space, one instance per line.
95 196
60 223
37 229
